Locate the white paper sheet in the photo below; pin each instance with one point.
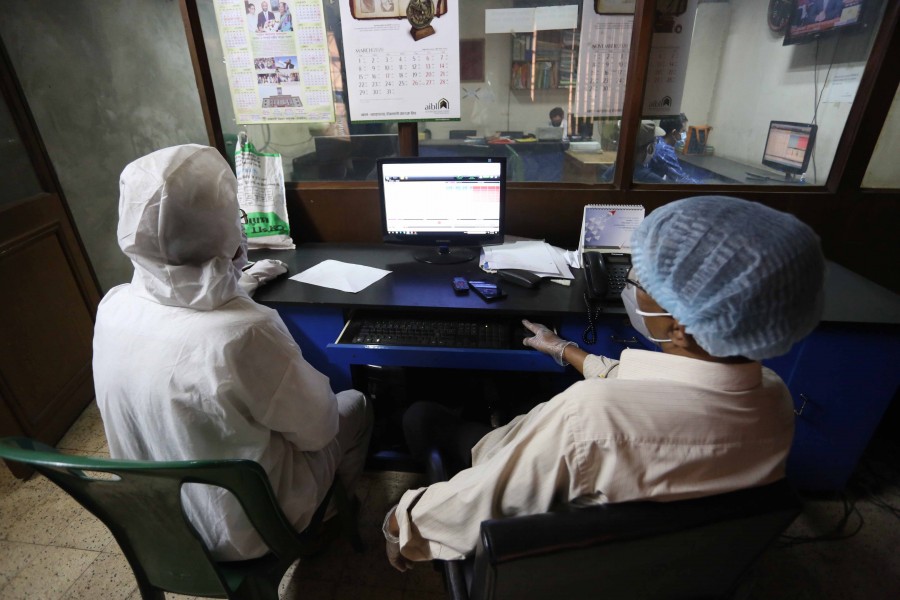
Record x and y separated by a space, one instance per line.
342 276
536 256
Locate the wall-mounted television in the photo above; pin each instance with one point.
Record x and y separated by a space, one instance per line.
811 19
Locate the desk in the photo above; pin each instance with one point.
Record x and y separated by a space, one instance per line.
586 167
718 169
842 376
526 161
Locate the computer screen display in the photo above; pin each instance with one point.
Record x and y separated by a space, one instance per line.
789 146
443 202
811 19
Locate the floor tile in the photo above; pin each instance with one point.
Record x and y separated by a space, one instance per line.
44 521
49 574
15 556
84 531
366 592
108 577
86 434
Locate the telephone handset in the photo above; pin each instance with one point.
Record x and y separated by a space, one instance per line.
604 275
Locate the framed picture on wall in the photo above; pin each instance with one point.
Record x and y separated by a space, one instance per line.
614 7
471 60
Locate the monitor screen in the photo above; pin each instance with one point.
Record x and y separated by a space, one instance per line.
789 146
442 203
811 19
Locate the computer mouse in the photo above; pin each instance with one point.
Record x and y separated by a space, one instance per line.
520 277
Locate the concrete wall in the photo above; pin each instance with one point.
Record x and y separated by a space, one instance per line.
107 82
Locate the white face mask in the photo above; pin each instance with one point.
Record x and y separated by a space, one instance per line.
683 136
649 155
636 315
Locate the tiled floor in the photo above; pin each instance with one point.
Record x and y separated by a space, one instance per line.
50 548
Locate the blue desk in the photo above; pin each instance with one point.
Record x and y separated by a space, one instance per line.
842 377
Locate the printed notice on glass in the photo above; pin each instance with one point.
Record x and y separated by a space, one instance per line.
402 59
603 61
276 57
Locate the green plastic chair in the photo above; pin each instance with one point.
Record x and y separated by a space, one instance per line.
140 503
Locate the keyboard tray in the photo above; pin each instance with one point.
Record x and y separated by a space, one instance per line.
435 331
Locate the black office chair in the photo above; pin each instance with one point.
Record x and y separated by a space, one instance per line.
698 548
140 503
461 134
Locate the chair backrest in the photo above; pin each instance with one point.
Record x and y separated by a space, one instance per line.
140 503
698 548
461 134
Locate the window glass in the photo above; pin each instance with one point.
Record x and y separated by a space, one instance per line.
520 96
766 95
310 152
882 171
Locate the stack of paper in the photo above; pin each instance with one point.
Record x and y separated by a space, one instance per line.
539 257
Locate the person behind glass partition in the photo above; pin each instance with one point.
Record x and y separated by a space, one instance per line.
664 162
643 154
558 119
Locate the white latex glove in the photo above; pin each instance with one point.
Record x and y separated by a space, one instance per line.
546 341
261 272
397 560
392 545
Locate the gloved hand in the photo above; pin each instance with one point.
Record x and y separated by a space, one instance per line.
397 560
392 543
546 341
261 272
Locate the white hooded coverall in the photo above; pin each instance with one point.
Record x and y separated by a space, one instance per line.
187 366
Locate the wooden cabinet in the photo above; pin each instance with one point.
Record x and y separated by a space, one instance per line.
544 60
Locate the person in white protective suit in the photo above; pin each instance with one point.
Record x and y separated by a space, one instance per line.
187 366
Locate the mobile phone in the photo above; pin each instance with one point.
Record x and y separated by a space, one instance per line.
460 286
487 290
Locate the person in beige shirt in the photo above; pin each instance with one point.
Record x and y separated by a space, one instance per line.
719 284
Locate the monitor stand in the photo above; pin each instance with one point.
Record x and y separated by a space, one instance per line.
444 255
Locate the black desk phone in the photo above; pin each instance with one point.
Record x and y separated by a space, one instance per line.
604 276
605 273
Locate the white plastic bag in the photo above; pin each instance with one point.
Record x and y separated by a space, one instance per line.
260 194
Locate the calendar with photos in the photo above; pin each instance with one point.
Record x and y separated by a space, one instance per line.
388 9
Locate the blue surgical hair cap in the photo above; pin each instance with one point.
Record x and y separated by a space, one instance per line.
744 279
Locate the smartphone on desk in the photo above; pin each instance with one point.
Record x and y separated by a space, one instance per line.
487 290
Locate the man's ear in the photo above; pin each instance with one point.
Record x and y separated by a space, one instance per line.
679 336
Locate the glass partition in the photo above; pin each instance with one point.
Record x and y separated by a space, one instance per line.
766 93
334 151
882 171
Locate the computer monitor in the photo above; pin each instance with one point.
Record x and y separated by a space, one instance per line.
789 147
451 204
811 19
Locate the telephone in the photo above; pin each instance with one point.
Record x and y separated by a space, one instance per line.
605 273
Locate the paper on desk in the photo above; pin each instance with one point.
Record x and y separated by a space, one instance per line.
339 275
536 256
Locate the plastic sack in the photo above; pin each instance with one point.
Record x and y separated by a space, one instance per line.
260 193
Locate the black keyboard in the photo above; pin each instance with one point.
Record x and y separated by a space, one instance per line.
436 332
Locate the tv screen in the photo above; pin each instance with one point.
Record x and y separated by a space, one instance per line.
450 204
811 19
789 146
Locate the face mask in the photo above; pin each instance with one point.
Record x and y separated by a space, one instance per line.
683 136
636 315
649 155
